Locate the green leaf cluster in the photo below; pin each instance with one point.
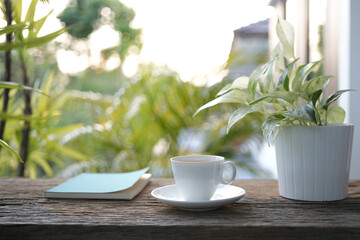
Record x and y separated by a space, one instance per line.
26 29
47 150
294 98
16 86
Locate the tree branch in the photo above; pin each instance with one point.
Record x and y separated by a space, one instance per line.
25 133
7 75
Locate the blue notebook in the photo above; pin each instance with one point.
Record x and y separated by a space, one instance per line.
102 185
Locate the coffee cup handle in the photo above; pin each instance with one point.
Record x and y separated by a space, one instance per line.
233 167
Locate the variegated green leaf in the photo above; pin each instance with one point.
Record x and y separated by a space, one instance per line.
269 77
305 112
255 78
315 84
335 97
271 127
278 55
335 114
240 113
285 32
289 97
284 79
225 89
253 82
240 83
302 74
233 96
315 97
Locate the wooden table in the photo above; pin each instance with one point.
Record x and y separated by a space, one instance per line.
261 214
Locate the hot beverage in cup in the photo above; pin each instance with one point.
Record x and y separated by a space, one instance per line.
198 176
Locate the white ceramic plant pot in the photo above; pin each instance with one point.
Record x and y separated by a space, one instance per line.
313 163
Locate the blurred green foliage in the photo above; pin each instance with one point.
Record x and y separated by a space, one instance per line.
148 120
105 82
46 152
101 121
21 32
87 15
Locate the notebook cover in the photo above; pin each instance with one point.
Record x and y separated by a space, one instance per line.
99 182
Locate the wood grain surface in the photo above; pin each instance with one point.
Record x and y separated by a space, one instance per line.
261 214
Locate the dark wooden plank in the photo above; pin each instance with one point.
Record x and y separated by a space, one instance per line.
172 232
262 213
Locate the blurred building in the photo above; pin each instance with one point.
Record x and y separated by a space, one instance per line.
250 48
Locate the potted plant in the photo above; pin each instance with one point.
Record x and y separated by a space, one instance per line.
313 146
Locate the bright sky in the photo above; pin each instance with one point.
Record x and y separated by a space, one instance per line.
191 37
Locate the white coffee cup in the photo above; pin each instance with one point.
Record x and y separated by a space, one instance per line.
198 176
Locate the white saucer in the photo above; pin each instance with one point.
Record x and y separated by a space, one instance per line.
225 194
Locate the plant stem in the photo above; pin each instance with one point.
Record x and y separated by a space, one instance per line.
317 116
326 114
25 132
7 75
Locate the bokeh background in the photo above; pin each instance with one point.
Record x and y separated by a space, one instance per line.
126 77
